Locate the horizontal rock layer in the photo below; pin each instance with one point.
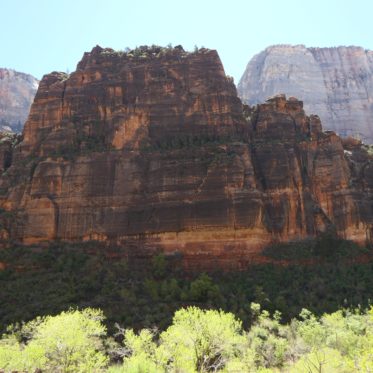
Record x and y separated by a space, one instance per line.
335 83
152 150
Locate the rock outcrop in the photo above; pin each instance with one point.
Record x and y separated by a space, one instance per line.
335 83
153 150
17 91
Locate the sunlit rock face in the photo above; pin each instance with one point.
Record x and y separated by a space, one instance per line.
17 91
335 83
152 150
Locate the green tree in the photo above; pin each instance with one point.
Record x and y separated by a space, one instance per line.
323 360
140 353
267 338
201 340
159 266
136 364
69 342
203 288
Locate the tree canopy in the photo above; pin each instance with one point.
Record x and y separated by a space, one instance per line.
197 341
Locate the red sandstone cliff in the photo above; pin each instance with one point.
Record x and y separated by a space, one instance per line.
152 150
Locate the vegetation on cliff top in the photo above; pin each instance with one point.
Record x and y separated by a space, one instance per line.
147 52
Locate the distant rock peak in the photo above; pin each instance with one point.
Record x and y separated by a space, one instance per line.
17 91
335 83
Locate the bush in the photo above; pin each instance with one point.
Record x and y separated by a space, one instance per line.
69 342
201 340
197 341
203 288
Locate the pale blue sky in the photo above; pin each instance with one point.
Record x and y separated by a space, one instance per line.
39 36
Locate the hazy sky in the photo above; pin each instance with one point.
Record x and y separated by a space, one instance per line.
39 36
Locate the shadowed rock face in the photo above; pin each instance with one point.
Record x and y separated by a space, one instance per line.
152 150
335 83
17 91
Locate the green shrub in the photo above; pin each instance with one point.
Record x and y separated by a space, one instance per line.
203 288
201 340
69 342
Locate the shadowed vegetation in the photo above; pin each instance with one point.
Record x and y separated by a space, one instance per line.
47 280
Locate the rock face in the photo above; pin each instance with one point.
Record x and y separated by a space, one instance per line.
152 150
17 91
335 83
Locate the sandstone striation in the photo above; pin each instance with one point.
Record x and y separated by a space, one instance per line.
152 150
335 83
17 91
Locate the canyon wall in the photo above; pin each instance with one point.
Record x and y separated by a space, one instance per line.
17 91
152 150
335 83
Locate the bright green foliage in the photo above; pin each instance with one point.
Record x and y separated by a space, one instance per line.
364 356
69 342
141 354
202 340
337 342
140 344
267 339
136 364
323 360
15 357
144 354
310 329
197 341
